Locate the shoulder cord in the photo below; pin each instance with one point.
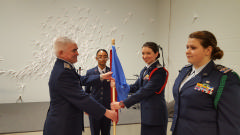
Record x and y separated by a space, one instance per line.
159 92
220 90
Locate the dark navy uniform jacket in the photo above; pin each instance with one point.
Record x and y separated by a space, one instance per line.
194 110
100 90
68 101
153 106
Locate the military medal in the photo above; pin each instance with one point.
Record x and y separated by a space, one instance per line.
146 77
198 86
205 88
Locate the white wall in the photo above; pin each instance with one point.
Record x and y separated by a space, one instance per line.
28 27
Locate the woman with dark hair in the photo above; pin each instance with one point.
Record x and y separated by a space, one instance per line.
149 91
206 95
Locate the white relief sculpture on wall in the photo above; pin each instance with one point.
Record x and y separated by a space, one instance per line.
79 24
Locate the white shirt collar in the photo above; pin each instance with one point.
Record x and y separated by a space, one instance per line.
150 64
100 70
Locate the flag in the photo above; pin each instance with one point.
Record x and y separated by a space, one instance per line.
122 87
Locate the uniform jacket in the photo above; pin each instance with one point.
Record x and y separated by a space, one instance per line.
68 101
99 89
153 106
194 110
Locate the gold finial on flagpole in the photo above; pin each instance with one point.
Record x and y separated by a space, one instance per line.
113 41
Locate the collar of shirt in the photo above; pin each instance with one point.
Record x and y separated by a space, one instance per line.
150 64
196 71
101 71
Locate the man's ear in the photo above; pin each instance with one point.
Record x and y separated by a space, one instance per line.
60 53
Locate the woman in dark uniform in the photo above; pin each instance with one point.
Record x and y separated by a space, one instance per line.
149 91
207 96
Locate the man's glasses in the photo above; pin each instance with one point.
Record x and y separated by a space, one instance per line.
100 58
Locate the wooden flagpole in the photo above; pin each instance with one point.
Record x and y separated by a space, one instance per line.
114 98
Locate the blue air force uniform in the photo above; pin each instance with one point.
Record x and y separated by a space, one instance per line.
154 115
196 109
100 90
68 101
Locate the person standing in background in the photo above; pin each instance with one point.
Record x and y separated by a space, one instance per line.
67 98
100 90
207 96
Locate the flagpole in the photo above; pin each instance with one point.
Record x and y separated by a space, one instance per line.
114 98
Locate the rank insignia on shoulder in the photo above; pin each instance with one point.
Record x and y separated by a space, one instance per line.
223 69
66 65
205 88
188 65
159 66
146 77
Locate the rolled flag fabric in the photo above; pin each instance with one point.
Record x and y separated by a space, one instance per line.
121 85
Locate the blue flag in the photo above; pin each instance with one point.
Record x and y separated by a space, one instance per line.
121 85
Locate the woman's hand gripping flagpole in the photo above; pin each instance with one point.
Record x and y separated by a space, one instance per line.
114 105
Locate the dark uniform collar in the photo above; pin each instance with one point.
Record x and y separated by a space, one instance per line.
153 65
208 68
96 69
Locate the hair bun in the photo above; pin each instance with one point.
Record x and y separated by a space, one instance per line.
217 53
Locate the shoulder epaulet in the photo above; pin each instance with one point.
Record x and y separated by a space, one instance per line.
159 66
188 65
67 66
223 69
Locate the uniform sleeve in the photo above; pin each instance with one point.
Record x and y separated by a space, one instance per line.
153 85
88 79
88 86
68 86
134 87
229 107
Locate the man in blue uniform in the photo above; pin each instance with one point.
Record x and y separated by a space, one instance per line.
67 99
100 90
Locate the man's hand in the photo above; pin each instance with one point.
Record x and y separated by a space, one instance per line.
115 105
111 114
106 76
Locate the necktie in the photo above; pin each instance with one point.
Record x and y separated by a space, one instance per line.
143 74
144 71
187 78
